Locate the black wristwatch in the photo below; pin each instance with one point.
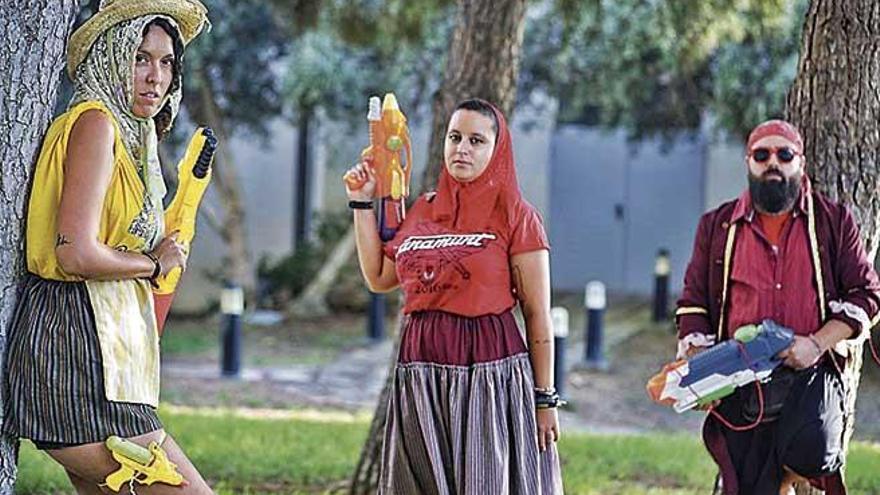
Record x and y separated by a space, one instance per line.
360 205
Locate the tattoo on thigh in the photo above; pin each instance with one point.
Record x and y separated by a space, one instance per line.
62 240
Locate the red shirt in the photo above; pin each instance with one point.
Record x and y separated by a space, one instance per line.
466 272
772 280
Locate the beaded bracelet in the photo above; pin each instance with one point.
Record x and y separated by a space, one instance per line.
157 269
547 398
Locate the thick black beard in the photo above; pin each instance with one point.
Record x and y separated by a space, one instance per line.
773 196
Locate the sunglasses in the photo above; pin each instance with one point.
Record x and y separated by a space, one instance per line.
784 154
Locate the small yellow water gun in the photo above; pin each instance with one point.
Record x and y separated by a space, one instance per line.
389 141
194 174
142 465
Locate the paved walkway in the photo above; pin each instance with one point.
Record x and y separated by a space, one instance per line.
352 381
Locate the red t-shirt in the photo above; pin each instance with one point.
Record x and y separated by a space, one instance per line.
462 272
772 225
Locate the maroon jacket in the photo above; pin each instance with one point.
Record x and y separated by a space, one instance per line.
847 288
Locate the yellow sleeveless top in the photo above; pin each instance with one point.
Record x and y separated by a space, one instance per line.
124 312
123 220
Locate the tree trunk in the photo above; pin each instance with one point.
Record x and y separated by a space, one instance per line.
237 269
483 61
33 39
313 300
366 473
835 102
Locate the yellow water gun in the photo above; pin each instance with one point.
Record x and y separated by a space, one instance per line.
142 465
390 156
194 174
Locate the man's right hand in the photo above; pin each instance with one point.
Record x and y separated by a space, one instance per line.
689 353
693 350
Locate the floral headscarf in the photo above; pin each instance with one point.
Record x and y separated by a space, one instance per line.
107 75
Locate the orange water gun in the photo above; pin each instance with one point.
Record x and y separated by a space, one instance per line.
193 175
390 156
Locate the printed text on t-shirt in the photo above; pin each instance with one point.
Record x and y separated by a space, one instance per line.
430 242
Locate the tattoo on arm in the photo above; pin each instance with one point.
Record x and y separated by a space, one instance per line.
62 240
541 341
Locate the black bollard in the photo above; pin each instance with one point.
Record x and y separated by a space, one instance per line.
559 316
661 286
594 301
376 318
231 306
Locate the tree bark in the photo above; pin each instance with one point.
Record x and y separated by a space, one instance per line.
483 61
33 39
835 101
366 473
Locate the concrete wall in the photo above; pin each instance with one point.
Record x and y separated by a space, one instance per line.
575 176
725 171
614 203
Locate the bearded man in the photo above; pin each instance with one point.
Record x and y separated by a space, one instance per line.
784 252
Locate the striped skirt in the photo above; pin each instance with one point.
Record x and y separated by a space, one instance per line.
461 419
54 375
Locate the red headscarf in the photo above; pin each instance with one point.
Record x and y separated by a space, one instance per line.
469 205
776 128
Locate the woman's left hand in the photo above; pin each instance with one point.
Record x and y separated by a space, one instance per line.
548 427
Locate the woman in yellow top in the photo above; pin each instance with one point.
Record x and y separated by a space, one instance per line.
83 353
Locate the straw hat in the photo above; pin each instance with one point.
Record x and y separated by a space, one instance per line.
190 15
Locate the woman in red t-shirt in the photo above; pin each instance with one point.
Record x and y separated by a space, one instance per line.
473 409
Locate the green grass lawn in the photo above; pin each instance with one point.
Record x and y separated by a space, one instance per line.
303 453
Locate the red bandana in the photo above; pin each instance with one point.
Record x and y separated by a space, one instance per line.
776 128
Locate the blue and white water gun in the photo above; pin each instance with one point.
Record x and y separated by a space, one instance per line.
715 373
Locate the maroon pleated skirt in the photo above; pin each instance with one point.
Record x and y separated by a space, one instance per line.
461 419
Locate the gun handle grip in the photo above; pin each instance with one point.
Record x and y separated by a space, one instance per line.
116 479
162 304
